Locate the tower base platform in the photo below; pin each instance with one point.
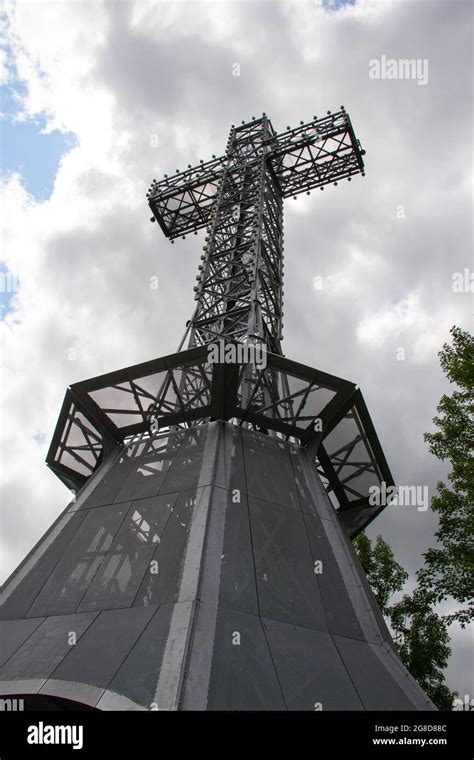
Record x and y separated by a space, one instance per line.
201 569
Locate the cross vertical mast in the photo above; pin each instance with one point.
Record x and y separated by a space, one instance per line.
239 288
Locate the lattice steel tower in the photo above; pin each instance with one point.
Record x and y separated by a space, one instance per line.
205 562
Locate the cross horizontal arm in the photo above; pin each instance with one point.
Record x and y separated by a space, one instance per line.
182 203
312 155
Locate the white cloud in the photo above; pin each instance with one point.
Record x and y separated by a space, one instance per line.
5 72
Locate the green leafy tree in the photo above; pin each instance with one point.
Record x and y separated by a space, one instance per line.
384 574
448 567
419 633
422 640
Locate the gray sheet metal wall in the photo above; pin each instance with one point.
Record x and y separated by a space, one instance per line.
203 570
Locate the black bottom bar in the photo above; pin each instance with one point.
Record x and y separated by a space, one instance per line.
94 733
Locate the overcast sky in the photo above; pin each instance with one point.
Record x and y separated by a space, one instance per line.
99 98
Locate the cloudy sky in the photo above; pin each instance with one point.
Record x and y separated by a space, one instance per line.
100 97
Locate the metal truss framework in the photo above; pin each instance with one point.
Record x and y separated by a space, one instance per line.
239 199
311 408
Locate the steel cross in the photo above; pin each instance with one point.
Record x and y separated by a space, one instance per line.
238 198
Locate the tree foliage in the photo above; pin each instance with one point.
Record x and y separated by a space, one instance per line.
420 634
423 643
448 567
384 574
